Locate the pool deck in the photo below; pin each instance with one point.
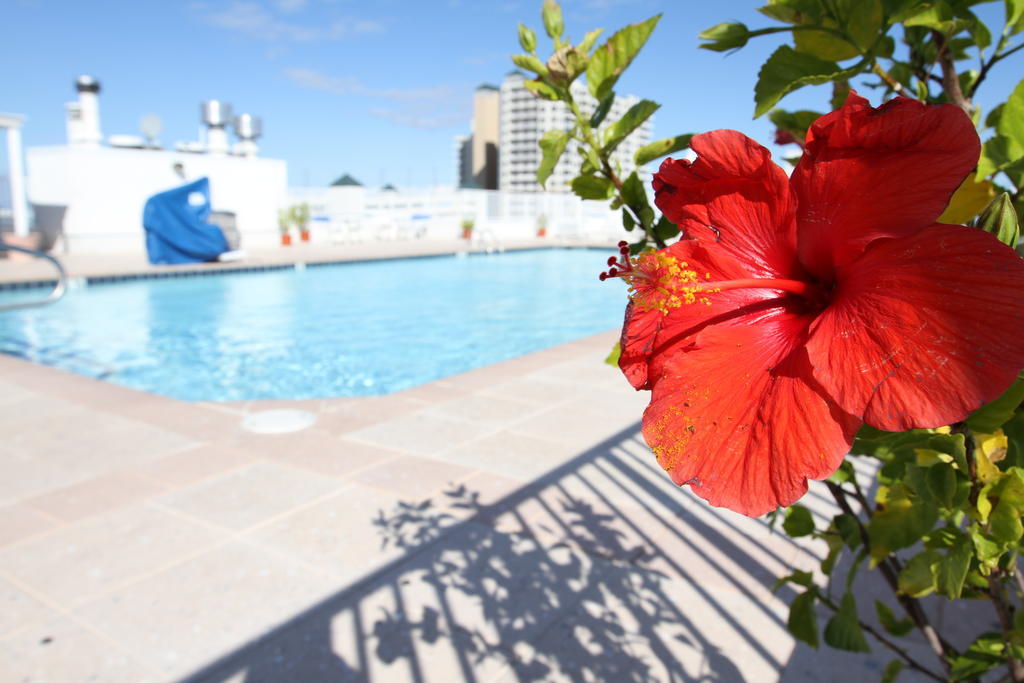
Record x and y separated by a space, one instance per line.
23 269
504 524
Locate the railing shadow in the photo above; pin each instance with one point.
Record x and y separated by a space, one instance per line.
601 570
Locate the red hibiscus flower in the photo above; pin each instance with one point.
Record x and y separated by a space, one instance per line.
798 308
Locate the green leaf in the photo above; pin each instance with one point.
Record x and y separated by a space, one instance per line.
984 653
900 523
612 58
936 15
552 144
802 623
592 162
541 89
630 121
952 445
723 37
798 522
952 568
1011 120
835 548
848 529
527 38
999 153
593 187
628 223
665 229
1015 16
824 45
941 481
603 107
613 356
892 670
588 40
842 475
787 70
799 577
1000 219
636 197
1004 523
918 577
660 148
795 123
531 63
551 15
985 547
565 65
843 630
889 622
995 414
793 11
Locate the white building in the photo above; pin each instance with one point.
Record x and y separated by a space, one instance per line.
92 195
525 118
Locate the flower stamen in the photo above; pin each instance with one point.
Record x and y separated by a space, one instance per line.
662 282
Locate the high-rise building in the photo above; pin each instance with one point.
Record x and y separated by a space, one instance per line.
464 160
524 120
476 154
485 137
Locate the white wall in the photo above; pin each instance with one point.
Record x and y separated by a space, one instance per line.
355 214
105 190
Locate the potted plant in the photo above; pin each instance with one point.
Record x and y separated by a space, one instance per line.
542 225
467 228
300 217
284 224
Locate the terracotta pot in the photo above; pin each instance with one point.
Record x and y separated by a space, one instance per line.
542 232
286 240
304 235
467 233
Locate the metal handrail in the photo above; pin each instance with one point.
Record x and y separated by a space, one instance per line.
59 289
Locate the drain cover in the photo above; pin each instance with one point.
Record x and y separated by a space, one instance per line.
278 421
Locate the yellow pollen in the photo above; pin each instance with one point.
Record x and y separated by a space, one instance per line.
660 282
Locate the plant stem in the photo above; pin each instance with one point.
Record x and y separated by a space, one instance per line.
913 663
889 570
889 80
950 80
606 168
996 56
1005 614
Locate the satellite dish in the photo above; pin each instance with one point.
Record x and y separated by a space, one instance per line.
151 126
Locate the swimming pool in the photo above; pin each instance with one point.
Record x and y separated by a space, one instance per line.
352 329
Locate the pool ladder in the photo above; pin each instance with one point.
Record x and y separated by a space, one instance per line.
58 289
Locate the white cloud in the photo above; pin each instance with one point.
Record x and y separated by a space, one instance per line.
343 85
252 19
439 106
421 119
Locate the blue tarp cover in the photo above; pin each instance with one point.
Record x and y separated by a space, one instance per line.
176 227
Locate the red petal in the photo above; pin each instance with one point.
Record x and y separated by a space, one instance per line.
733 187
870 173
923 329
739 419
649 337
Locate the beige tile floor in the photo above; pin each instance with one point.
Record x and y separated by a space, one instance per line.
498 525
506 524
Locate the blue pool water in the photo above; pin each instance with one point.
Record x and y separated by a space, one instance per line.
354 329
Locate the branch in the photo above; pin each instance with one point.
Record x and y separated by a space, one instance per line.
950 81
1003 611
996 56
888 568
606 168
913 663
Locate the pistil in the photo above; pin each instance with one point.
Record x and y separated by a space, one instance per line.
659 281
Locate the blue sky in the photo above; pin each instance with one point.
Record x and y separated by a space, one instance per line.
378 90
